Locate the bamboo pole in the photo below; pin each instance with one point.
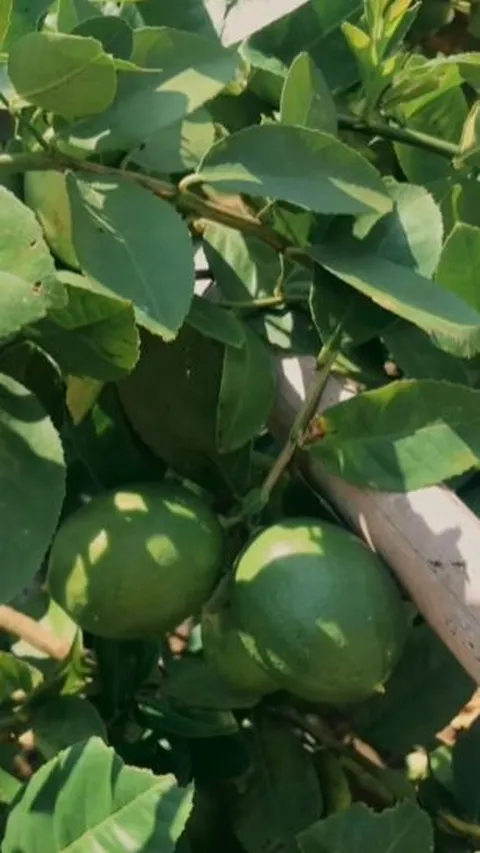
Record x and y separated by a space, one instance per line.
428 537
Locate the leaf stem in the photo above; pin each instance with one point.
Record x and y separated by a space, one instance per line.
325 361
400 134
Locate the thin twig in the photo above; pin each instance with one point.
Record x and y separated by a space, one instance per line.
394 133
41 638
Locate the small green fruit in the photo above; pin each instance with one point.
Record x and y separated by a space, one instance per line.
135 563
319 611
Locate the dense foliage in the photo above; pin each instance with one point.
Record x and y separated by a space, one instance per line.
321 169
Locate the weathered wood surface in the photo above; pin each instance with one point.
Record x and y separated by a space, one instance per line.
430 539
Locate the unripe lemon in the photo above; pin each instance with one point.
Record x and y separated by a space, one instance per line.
225 651
319 611
136 562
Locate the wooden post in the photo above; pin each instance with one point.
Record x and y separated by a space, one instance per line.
429 538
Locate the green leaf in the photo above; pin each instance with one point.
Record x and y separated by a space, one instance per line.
418 358
411 235
6 7
403 829
247 393
165 716
32 484
305 167
179 147
216 322
126 807
190 15
458 262
27 271
62 721
466 771
113 33
70 13
25 17
405 436
242 266
315 28
442 116
192 681
289 330
17 677
67 75
187 374
172 74
94 335
281 795
452 324
135 245
110 449
425 691
306 98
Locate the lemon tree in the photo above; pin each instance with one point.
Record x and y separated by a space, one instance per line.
197 652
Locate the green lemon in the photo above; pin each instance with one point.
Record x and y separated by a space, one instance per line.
319 611
46 194
225 651
136 562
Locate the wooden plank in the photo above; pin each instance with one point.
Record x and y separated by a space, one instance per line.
430 539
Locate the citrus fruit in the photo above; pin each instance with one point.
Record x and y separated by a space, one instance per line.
225 651
46 194
319 611
136 562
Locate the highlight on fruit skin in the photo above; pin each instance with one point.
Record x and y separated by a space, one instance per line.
319 611
135 562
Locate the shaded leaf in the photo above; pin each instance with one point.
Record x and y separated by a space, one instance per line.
306 167
62 721
407 435
67 75
179 147
466 771
216 322
171 401
281 795
70 13
192 681
126 806
459 262
166 716
110 449
94 335
172 74
306 98
403 829
113 33
419 358
32 481
425 691
247 393
285 329
452 324
137 246
411 235
243 267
